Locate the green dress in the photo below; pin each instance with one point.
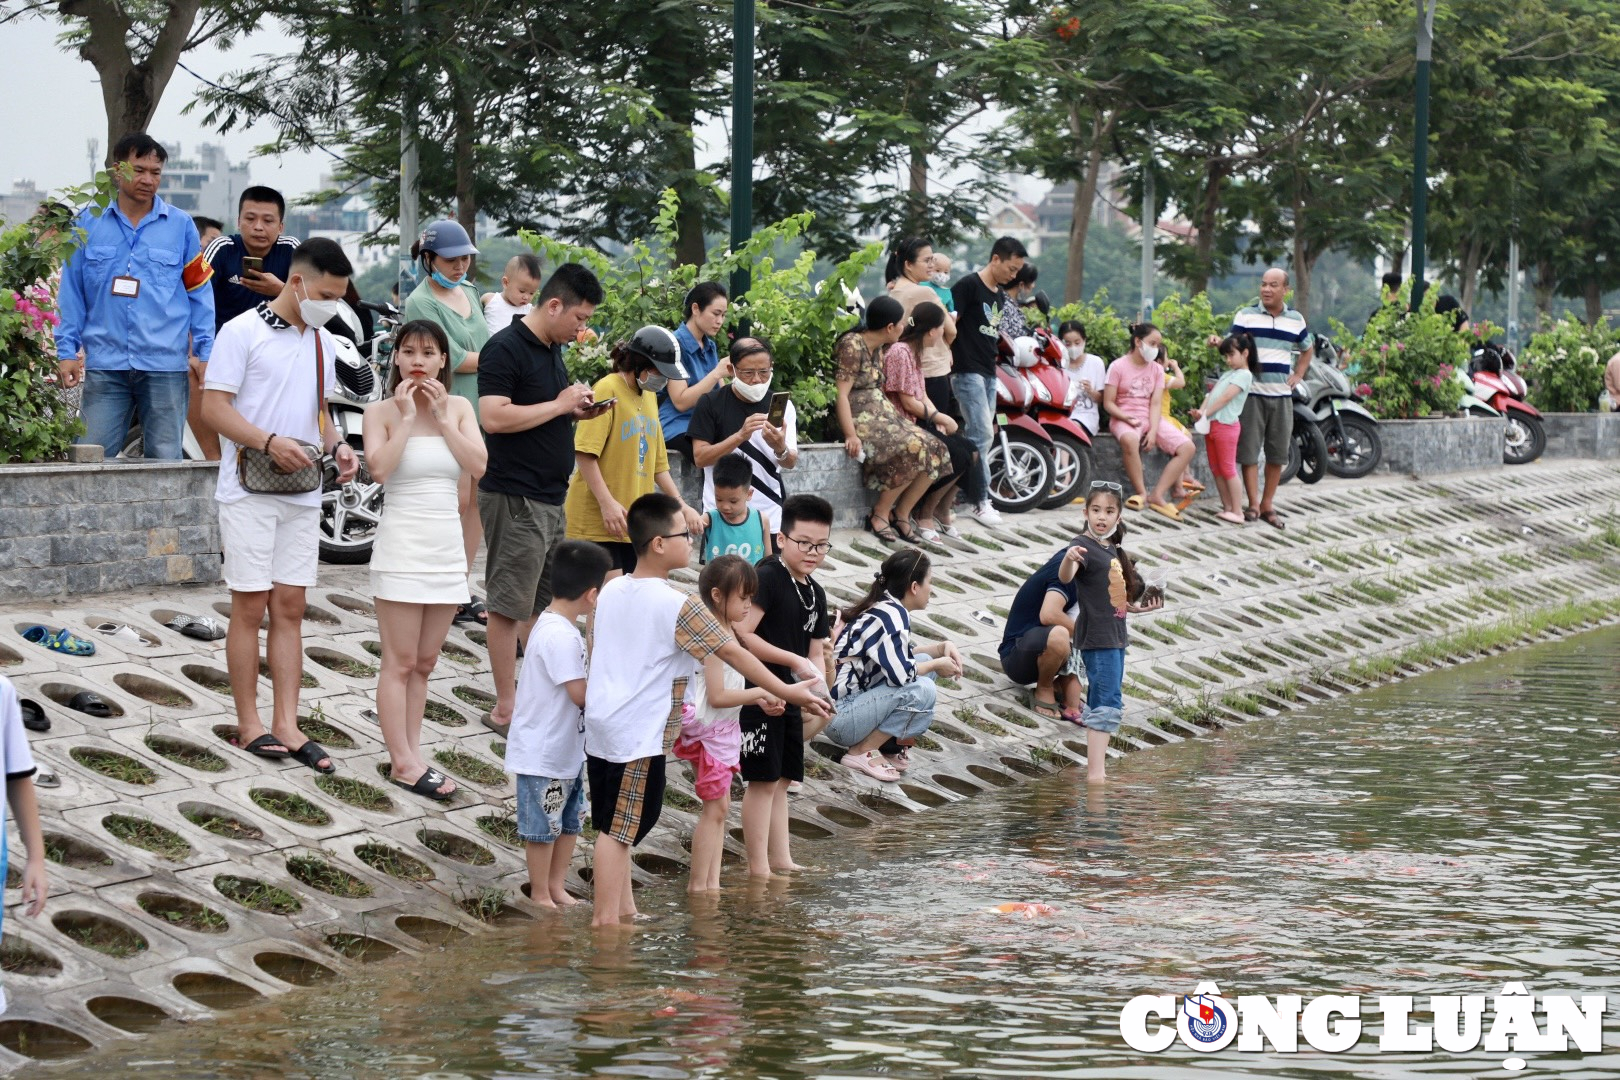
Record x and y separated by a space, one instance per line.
466 334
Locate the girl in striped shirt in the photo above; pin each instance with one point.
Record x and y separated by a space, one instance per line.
882 690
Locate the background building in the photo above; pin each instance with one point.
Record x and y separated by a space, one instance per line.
207 184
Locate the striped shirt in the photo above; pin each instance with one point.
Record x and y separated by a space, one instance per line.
876 649
1279 339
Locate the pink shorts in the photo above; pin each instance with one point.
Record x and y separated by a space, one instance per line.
712 777
1220 445
1170 438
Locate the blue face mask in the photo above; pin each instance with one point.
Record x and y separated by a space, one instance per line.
444 282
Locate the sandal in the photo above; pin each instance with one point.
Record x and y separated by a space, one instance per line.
1271 518
260 747
311 753
47 780
203 629
123 633
427 784
1136 502
1075 717
91 704
1165 510
1191 486
872 764
488 720
949 529
899 762
33 715
924 532
62 641
906 531
1186 501
1046 709
473 611
885 532
1250 514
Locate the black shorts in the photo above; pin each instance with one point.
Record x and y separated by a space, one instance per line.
626 796
1022 661
772 746
622 554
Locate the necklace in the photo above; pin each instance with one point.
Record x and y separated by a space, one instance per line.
808 605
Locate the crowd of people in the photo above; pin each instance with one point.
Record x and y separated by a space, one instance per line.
483 442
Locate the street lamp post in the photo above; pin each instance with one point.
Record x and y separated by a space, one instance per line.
742 135
408 223
1420 146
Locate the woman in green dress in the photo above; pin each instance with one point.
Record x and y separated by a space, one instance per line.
447 297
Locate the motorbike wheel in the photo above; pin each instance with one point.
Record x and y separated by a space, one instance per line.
1358 452
1526 439
1071 469
1021 472
350 514
1313 452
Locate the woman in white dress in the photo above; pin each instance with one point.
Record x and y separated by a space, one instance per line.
420 441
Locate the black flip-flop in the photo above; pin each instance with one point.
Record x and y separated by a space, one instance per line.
311 753
427 784
258 748
473 611
33 716
91 704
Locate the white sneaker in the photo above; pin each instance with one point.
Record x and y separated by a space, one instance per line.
985 514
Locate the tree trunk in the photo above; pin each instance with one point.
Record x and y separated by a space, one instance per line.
1473 258
1545 284
1208 212
1593 291
1304 261
916 223
130 89
462 143
1085 194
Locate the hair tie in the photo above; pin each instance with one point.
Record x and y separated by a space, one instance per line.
877 575
911 320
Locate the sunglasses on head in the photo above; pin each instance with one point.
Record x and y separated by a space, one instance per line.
1108 485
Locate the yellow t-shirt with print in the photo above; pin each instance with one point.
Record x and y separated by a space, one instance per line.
629 446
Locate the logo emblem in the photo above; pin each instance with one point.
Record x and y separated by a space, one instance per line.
1207 1022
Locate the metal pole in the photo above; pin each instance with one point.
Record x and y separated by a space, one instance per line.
1513 297
409 226
1149 220
1420 146
742 135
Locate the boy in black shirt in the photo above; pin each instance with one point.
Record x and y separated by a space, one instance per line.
788 629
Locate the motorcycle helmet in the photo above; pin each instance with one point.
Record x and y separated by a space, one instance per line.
1047 345
446 239
1025 352
658 346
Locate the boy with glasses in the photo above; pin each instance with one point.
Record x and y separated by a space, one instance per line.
788 629
647 635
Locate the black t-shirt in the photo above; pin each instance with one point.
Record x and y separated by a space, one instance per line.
978 317
535 463
1101 587
788 622
1025 613
718 416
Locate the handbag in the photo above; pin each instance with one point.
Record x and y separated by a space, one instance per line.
257 470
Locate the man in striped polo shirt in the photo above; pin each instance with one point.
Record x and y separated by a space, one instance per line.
1284 343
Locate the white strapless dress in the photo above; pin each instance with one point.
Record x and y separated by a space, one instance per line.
418 557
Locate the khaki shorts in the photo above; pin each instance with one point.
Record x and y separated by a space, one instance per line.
520 535
1268 424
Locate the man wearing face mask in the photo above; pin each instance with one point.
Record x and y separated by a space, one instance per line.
264 391
619 452
735 419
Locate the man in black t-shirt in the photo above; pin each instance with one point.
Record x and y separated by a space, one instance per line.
979 303
788 629
725 422
527 409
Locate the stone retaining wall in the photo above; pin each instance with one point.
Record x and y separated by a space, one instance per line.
1435 447
823 469
70 530
1582 435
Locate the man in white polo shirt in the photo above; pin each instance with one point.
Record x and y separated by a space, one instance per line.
265 390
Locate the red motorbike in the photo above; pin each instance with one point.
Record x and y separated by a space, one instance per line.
1055 395
1495 379
1021 452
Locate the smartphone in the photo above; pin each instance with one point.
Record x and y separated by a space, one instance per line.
597 408
779 404
251 263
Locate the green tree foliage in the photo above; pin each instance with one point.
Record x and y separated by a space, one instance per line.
1564 365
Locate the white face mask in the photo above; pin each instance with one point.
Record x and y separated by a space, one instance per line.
1150 353
940 277
751 392
316 312
1076 352
652 382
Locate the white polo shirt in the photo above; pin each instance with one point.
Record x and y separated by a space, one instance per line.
270 366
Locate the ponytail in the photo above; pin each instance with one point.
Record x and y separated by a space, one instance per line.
901 252
1134 585
1242 342
1140 330
894 578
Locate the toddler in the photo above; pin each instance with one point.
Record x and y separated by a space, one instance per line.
733 527
519 281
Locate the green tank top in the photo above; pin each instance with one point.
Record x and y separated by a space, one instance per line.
724 538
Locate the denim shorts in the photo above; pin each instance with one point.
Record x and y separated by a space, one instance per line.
547 808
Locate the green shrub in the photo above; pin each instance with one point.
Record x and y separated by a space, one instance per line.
1564 365
1409 362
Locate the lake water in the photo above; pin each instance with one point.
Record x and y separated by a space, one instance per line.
1444 835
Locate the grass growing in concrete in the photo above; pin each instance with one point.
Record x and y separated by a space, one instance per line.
317 873
455 847
109 938
186 914
393 862
459 655
1286 689
17 957
148 836
305 679
1199 710
1014 716
973 719
471 766
503 827
475 697
441 713
221 824
817 767
184 753
290 805
948 732
486 904
346 665
680 800
925 743
1245 703
257 895
113 766
316 726
67 851
1045 755
355 793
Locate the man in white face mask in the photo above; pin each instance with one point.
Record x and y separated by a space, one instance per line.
264 392
737 419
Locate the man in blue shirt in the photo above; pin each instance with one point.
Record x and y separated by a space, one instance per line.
135 298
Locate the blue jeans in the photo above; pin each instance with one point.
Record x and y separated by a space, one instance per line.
976 396
159 398
903 712
548 808
1105 682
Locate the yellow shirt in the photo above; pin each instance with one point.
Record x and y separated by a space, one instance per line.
629 447
1166 410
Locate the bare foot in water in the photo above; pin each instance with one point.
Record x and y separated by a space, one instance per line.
563 900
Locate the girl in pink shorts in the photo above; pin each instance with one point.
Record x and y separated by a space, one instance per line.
711 737
1223 408
1133 397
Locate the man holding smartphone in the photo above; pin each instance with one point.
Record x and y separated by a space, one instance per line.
745 417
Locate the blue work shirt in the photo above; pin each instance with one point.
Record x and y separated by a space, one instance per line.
157 330
700 360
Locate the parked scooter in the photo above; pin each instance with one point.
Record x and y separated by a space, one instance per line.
350 513
1492 372
1349 430
1020 461
1040 358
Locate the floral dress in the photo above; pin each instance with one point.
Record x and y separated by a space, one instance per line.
897 450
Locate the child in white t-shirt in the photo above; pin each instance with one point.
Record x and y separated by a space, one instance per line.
545 747
1085 370
519 281
19 765
650 634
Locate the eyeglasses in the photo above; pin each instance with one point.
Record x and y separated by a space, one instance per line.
1109 484
687 536
812 547
755 376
